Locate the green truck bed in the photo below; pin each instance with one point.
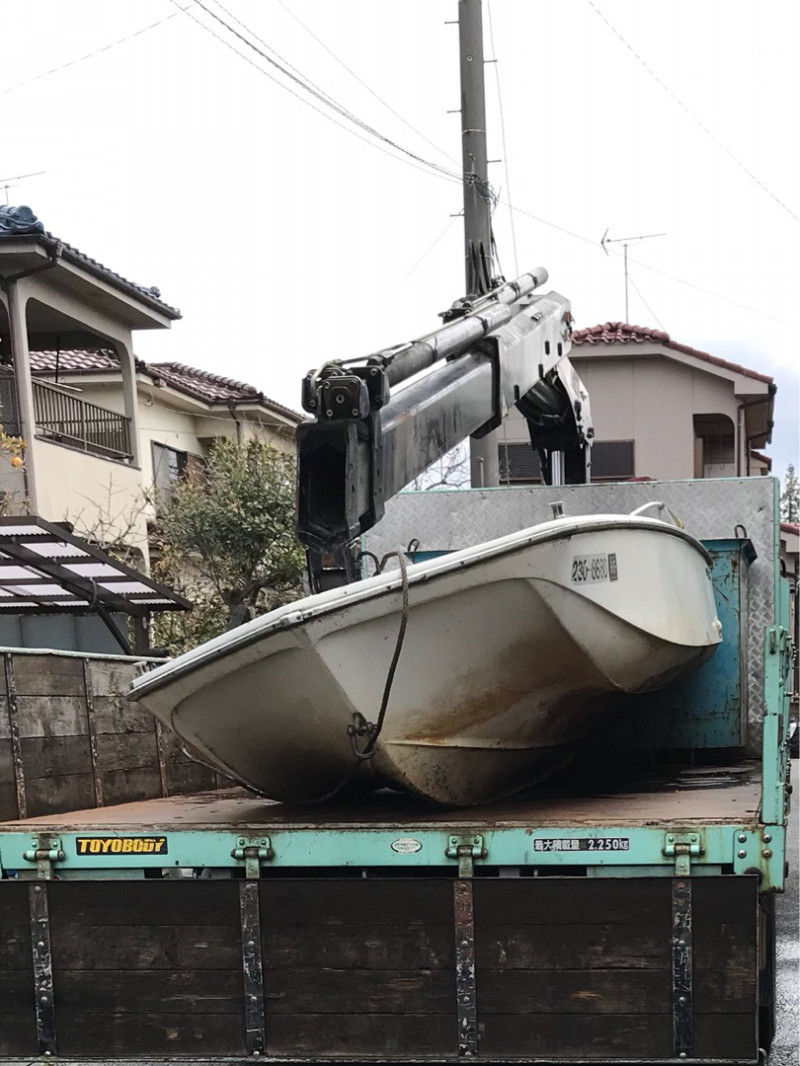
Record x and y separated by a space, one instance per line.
612 926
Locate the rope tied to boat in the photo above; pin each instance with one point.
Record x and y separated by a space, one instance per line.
360 727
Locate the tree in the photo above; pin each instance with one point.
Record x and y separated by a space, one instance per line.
225 537
790 497
449 472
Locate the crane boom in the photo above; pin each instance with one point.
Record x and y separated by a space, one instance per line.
381 421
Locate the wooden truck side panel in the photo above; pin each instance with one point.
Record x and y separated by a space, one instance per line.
350 968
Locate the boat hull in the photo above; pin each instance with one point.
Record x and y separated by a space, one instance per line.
512 653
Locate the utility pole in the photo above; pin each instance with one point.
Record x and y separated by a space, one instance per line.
625 242
484 459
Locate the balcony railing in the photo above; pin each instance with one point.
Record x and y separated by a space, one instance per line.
66 419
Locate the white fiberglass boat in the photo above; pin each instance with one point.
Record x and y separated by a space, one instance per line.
513 650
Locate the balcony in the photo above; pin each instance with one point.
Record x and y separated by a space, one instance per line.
64 418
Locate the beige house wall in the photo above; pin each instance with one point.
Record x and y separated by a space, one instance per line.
107 498
99 496
652 400
185 430
248 425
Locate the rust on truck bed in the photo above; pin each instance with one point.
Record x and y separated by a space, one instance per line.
685 801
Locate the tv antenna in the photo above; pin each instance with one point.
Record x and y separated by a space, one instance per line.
10 183
625 242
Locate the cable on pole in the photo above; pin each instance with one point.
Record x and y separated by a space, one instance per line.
691 114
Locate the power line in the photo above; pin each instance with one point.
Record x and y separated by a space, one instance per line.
412 159
691 114
655 270
710 292
324 98
503 139
91 55
361 82
636 289
427 252
302 79
552 225
425 165
348 129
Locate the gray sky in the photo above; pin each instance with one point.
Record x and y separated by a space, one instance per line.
287 239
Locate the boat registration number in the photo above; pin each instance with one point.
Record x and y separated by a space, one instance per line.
587 569
582 844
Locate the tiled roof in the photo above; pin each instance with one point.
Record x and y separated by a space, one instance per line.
198 384
791 527
618 333
213 388
74 361
148 295
623 333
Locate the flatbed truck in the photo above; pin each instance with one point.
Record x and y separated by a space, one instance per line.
623 913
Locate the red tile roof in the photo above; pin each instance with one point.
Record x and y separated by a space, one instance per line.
213 388
623 333
198 384
73 361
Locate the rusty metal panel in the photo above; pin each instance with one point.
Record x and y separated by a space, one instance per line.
42 971
466 997
682 1009
708 707
252 967
16 743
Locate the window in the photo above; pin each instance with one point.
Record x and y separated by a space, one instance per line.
612 460
519 465
169 466
715 446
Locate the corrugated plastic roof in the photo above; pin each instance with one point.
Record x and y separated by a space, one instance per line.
45 567
624 333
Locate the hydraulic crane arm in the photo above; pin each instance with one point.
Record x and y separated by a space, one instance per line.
370 438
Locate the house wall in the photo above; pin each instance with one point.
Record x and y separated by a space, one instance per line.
651 400
100 496
252 426
107 498
184 430
160 424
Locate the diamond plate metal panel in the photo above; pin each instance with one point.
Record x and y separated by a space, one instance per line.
709 509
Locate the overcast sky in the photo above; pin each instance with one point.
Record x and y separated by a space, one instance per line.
286 235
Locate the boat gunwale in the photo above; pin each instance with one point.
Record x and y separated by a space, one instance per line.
293 616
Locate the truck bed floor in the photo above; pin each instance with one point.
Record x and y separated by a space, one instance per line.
725 796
